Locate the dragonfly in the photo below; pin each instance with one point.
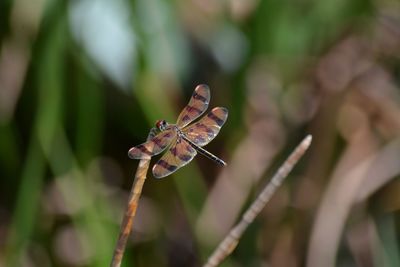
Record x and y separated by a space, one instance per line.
183 139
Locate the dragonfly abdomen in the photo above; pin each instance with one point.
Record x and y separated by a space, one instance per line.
204 152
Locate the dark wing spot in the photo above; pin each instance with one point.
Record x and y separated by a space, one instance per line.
200 139
185 158
189 148
207 129
174 151
157 141
215 118
144 149
186 118
191 109
139 152
199 97
166 166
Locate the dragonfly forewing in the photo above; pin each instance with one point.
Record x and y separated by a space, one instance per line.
198 103
154 146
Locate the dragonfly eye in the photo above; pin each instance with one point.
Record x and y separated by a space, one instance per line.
161 125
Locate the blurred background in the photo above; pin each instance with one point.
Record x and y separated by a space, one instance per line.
82 81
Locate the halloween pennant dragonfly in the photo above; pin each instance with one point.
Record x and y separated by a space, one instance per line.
184 140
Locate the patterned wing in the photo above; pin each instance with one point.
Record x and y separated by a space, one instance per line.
203 131
197 105
179 154
154 146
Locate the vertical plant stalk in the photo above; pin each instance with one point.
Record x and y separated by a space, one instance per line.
129 216
230 242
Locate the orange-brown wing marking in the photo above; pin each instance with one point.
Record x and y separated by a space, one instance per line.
179 154
205 130
197 105
154 146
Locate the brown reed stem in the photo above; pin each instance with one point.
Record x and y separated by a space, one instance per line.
127 222
230 242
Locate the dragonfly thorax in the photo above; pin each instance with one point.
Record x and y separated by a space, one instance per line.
161 125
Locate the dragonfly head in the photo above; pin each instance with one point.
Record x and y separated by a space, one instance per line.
161 125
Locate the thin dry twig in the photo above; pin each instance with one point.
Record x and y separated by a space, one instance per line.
130 212
232 239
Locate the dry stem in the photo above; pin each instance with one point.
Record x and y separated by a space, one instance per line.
130 212
232 239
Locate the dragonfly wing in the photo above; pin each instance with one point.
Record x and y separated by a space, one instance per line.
205 130
197 105
179 154
154 146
